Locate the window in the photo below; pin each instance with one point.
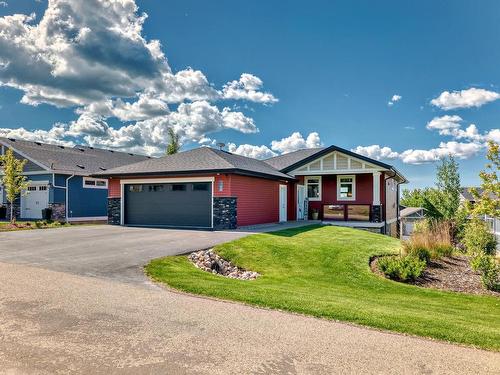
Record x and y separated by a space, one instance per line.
358 212
333 212
42 188
31 188
179 187
200 186
135 188
95 183
156 188
313 185
346 188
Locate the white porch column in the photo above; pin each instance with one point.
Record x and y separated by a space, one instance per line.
376 188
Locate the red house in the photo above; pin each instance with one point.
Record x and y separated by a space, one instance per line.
214 189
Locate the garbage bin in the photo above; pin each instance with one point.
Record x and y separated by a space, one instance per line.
47 214
3 212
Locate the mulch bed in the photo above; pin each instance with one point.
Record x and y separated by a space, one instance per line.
449 273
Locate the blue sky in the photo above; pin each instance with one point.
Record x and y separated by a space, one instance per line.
332 66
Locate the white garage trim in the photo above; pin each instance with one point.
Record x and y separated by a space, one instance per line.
162 181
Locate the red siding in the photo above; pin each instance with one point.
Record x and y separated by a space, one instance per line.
114 188
258 200
364 191
225 179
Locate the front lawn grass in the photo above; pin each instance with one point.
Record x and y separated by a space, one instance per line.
6 226
324 272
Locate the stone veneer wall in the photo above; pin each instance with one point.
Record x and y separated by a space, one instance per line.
376 214
225 213
58 211
114 211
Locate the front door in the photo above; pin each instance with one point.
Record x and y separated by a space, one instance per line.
283 207
301 192
36 199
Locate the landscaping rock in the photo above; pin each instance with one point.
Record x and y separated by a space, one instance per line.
210 261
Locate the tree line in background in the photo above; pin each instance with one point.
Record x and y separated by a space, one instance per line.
453 224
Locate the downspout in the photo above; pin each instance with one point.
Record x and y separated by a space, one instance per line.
385 201
397 200
67 192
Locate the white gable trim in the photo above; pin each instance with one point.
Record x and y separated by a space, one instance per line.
6 146
333 163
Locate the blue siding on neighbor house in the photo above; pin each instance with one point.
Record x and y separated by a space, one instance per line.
58 195
85 202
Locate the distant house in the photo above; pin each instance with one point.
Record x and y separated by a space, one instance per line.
493 223
409 217
215 189
60 178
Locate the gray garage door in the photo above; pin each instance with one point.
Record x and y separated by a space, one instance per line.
174 205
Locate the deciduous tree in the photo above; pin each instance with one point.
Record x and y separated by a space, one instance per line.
14 183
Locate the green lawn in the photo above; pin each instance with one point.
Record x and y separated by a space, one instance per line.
324 272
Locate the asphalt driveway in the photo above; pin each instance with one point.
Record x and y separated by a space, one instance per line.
102 250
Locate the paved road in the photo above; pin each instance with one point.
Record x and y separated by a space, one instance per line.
52 322
55 318
104 251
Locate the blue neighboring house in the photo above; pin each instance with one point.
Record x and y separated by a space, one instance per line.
59 179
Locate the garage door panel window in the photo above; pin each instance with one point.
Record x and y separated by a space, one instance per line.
135 188
179 187
156 188
201 187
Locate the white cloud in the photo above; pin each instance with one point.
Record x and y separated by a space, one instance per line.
444 123
247 88
252 151
288 144
376 152
420 156
472 97
395 98
457 149
296 142
451 126
4 4
92 56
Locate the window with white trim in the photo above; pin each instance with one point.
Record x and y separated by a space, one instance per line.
313 186
346 188
95 183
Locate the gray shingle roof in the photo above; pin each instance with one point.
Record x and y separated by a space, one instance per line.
203 159
80 160
467 195
283 161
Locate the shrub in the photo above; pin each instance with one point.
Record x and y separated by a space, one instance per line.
402 268
430 239
478 239
417 251
487 266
